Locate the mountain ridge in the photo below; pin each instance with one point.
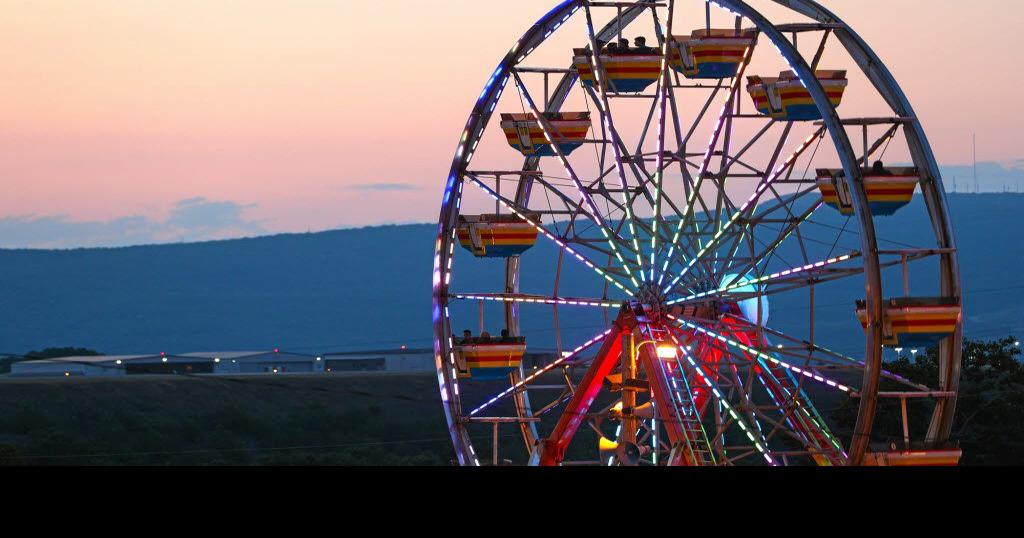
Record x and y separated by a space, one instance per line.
369 287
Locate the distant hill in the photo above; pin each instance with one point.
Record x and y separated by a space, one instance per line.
370 287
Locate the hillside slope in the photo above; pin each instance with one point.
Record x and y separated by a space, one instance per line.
370 287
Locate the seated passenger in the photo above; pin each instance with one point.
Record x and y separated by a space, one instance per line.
641 45
505 338
878 170
612 48
623 45
467 337
485 337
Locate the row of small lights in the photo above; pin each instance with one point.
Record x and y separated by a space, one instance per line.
553 301
763 279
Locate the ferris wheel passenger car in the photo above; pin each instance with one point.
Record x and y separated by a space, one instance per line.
887 192
526 134
628 72
785 97
495 236
710 53
915 321
490 359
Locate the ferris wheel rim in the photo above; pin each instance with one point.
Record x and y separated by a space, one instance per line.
482 113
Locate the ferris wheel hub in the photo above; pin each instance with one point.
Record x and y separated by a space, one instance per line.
650 295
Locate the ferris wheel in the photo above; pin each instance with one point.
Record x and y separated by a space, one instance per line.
678 175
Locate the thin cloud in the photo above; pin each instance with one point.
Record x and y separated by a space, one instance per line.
194 219
384 187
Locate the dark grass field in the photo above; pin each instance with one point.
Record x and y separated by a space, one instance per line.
383 419
334 419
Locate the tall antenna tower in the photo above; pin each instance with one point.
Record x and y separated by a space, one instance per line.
974 157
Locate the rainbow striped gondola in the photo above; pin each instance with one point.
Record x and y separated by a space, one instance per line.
785 98
886 192
627 73
495 236
491 360
524 132
915 322
714 53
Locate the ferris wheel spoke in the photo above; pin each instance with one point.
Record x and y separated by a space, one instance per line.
833 359
803 424
787 393
759 259
664 88
804 273
525 298
559 242
594 211
741 390
644 179
764 354
821 356
604 110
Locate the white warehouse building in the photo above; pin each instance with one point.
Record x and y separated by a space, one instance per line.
111 365
259 362
390 360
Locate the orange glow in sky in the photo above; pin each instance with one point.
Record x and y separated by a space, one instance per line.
295 110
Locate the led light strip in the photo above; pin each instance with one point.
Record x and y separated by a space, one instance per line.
761 187
550 236
538 300
663 88
884 372
541 371
748 349
761 280
807 408
604 109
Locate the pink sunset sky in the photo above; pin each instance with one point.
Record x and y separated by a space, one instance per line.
270 116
